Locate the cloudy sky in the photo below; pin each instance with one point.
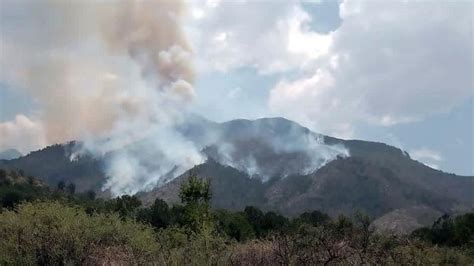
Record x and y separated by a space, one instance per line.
399 72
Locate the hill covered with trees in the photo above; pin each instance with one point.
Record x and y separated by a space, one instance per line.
260 163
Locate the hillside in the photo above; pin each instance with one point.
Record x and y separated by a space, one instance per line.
341 187
376 178
276 164
53 164
10 154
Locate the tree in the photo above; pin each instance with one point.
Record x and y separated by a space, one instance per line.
443 230
3 174
90 194
31 180
61 185
464 230
273 222
71 188
14 174
158 215
448 231
125 206
4 180
255 218
195 191
314 218
235 225
195 194
264 223
362 237
10 199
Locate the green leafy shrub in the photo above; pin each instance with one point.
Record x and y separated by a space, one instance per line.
235 225
179 246
51 233
448 231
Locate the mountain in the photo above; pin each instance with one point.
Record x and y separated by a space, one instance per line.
53 164
10 154
343 186
264 148
375 178
276 164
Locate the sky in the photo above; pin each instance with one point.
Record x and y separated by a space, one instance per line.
398 72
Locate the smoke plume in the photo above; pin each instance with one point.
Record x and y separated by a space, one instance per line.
273 147
117 75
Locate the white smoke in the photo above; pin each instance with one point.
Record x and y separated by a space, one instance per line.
293 159
298 160
117 75
269 148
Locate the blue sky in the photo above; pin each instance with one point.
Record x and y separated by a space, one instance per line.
398 72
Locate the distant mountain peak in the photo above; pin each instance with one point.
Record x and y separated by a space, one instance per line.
10 154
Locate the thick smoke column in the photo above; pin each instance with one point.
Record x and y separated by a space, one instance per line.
150 32
115 74
118 76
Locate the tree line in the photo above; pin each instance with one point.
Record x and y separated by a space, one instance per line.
43 225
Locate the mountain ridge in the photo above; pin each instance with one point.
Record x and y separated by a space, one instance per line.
372 177
10 154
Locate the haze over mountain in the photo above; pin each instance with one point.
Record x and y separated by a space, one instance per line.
9 154
276 164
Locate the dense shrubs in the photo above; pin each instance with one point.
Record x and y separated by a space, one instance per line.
448 231
50 233
329 245
57 226
15 188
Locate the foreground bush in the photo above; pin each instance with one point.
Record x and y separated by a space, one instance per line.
106 232
179 246
449 231
324 246
50 233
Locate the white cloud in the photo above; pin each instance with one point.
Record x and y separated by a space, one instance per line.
22 133
303 41
233 93
300 100
272 37
427 156
389 62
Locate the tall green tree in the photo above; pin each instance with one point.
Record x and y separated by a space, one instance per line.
61 185
125 206
195 194
158 215
71 188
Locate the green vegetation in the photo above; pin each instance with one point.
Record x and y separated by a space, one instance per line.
42 225
448 231
51 233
